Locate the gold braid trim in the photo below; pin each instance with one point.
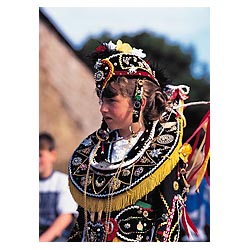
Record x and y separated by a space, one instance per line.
165 203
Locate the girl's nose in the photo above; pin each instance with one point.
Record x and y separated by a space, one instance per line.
103 107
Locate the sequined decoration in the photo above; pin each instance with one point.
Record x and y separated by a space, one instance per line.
96 232
87 142
125 172
83 180
138 171
115 183
77 161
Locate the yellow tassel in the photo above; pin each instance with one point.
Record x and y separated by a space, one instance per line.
185 151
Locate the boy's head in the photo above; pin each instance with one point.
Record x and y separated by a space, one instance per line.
46 141
47 154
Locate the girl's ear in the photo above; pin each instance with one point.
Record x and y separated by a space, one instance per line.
143 102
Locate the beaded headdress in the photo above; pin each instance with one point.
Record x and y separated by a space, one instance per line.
120 59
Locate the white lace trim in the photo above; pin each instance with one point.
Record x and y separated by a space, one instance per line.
120 146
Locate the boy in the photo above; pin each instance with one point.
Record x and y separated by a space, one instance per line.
56 205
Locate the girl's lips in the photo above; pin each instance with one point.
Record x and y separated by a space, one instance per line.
107 118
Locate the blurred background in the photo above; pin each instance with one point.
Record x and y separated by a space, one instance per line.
177 38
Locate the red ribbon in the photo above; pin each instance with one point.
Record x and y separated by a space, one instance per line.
197 132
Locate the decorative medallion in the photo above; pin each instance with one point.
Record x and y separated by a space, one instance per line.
145 213
100 181
165 139
98 76
115 183
139 226
175 185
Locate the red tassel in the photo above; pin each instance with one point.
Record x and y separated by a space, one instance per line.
187 222
207 178
204 119
184 223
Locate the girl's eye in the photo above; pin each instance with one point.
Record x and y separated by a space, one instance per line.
110 100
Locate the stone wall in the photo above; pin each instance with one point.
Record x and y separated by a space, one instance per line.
68 106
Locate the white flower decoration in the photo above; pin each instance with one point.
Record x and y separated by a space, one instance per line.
87 142
155 152
110 45
138 52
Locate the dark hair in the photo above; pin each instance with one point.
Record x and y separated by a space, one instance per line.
116 86
156 100
46 141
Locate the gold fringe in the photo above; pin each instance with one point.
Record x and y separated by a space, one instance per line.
132 195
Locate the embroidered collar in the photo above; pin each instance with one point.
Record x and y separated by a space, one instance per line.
153 156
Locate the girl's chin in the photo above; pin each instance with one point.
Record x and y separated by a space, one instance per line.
112 128
111 125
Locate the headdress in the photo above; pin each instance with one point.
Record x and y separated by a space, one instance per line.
120 59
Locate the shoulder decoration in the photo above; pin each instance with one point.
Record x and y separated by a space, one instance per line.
153 157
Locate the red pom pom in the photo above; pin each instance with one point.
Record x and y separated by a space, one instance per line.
100 48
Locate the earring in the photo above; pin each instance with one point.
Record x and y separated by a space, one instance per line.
133 133
137 100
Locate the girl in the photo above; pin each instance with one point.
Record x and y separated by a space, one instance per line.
128 177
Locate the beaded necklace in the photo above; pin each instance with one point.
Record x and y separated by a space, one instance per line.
111 190
85 191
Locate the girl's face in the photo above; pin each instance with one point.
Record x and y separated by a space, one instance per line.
117 113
